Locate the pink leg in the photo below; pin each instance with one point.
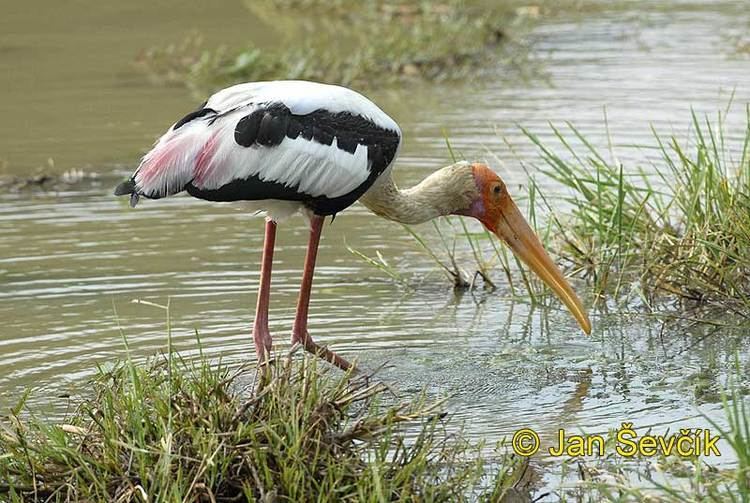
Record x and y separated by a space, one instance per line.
299 332
261 334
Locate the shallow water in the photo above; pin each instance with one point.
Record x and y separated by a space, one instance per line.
72 260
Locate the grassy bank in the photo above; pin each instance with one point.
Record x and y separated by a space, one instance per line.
386 41
175 430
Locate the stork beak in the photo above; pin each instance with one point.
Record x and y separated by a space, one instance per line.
512 228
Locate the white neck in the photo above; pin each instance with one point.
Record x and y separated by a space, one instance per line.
444 192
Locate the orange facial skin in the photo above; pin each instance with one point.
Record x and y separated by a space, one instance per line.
500 215
494 195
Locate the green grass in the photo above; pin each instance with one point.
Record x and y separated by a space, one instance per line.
677 229
386 41
179 430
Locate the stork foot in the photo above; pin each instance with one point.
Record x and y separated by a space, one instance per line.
306 341
262 340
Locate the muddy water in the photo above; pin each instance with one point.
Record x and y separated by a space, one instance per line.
72 260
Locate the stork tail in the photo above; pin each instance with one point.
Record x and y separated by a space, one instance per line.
128 188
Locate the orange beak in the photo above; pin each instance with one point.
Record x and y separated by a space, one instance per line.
510 226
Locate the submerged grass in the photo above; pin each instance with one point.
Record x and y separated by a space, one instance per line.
385 41
178 430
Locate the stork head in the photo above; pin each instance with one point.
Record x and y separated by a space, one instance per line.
492 205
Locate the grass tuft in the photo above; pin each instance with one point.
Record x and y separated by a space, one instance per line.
176 430
678 227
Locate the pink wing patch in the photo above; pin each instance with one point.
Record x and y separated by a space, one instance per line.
154 162
204 162
170 164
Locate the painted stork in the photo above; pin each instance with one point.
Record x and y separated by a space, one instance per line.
291 146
